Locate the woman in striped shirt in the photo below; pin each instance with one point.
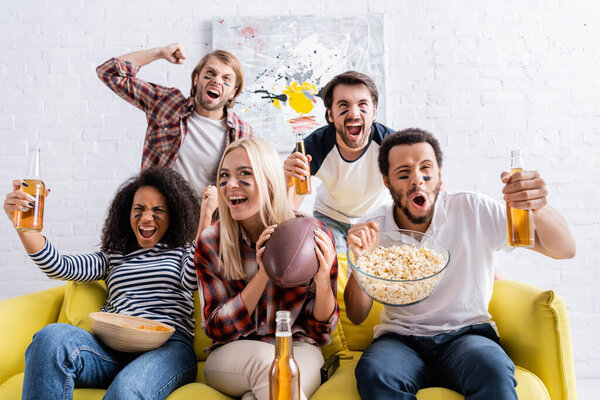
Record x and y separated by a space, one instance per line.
240 300
146 259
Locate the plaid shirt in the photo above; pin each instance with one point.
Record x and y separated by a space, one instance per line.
167 111
227 318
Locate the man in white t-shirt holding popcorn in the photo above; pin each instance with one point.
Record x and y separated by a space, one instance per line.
448 339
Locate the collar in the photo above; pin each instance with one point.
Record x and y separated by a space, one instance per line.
189 108
245 239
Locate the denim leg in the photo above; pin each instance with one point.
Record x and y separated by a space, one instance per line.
338 229
477 367
390 369
61 356
156 373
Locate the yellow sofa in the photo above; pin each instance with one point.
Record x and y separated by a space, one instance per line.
533 325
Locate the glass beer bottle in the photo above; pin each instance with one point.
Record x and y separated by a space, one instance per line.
519 222
302 185
284 375
33 219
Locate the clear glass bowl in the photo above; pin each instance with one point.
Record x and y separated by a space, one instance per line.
399 292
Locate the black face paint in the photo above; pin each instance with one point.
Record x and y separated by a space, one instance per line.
137 215
226 84
244 183
344 112
363 111
222 183
426 178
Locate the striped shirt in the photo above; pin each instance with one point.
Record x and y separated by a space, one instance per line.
167 111
227 318
155 283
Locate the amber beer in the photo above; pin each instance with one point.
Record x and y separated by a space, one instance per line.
519 222
284 375
32 220
302 185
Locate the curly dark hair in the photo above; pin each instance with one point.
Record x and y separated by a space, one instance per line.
406 137
182 202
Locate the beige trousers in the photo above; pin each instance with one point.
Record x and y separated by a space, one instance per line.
241 368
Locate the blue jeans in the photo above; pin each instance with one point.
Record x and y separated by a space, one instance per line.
338 229
63 356
469 361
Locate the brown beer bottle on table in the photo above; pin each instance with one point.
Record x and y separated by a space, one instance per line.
33 219
284 375
302 185
519 222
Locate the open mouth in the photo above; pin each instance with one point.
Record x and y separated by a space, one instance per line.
235 200
419 200
147 231
213 94
354 129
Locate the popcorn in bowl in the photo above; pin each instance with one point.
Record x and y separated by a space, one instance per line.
401 268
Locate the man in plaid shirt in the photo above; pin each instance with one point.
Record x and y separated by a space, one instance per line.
188 134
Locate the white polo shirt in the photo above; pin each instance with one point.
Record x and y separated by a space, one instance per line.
471 226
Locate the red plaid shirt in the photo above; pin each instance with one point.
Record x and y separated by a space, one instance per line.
226 318
167 111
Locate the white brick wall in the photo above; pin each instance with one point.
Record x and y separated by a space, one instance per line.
483 76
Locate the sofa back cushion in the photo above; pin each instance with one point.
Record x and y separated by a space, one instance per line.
82 298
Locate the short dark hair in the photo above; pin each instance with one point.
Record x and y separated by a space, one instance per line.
347 78
182 202
406 137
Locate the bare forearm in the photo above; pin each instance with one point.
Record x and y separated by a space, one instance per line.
33 242
553 236
324 302
358 304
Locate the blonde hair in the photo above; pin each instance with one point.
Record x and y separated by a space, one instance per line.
272 193
228 59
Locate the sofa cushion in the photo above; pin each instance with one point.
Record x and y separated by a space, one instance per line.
358 337
82 298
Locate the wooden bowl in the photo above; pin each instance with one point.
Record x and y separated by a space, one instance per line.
128 333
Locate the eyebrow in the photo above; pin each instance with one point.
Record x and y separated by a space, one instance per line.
409 166
348 101
238 168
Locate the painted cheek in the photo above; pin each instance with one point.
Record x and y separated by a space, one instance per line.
426 178
343 112
227 84
137 215
245 183
222 183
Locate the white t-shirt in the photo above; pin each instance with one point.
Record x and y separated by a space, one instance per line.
349 189
471 226
199 155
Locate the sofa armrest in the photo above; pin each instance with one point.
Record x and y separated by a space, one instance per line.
20 318
534 331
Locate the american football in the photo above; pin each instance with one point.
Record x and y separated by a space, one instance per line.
289 257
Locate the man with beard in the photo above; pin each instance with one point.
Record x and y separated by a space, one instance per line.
448 339
343 155
188 134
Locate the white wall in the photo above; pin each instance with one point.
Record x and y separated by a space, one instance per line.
483 76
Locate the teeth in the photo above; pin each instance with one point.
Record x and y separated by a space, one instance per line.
147 228
237 198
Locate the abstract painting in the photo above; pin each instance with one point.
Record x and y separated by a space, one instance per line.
288 60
